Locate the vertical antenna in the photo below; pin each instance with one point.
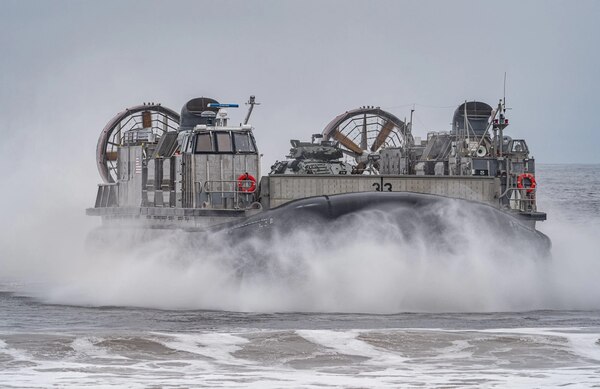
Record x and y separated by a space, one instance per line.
411 119
504 94
466 123
501 134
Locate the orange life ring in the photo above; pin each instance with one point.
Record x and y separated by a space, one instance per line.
246 177
529 177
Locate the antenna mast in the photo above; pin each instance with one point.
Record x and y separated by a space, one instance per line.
504 94
466 130
410 124
502 109
251 102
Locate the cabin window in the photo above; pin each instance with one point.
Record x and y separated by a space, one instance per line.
224 142
519 146
203 143
243 143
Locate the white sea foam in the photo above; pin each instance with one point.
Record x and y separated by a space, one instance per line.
15 354
381 369
582 343
346 342
456 350
214 345
87 346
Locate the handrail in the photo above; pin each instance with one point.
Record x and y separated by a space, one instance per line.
524 200
237 191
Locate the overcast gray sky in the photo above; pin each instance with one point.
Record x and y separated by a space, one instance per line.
66 67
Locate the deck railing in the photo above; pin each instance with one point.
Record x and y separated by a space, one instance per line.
522 199
233 188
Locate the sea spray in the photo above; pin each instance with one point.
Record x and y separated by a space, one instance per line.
371 261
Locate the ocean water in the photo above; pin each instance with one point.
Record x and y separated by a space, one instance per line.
359 307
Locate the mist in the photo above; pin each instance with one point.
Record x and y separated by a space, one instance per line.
366 263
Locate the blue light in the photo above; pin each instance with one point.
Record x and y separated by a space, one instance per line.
217 105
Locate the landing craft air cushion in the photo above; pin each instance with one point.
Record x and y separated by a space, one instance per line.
194 171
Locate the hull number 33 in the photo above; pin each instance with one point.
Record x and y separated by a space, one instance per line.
382 186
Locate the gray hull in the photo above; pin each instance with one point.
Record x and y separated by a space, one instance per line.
410 212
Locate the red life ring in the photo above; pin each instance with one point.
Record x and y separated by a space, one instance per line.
246 177
529 177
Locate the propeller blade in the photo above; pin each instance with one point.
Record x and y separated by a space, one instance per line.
349 153
346 142
386 130
111 155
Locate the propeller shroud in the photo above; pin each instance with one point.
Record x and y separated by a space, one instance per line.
162 119
362 132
